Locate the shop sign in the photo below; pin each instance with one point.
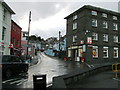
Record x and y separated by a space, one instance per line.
89 40
82 42
74 47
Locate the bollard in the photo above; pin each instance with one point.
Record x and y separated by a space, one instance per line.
39 82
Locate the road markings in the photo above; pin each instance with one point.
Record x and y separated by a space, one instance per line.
8 80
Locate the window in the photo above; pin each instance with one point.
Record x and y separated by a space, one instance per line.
114 17
115 38
95 36
4 14
74 26
18 31
115 26
94 22
104 15
95 51
105 25
105 37
115 53
13 27
105 52
3 33
80 52
74 38
74 17
94 13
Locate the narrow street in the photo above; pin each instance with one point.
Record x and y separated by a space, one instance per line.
51 66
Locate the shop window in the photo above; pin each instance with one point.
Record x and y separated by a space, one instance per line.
95 51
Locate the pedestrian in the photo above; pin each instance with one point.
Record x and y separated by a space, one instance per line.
65 58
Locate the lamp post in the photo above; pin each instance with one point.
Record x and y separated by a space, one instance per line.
28 31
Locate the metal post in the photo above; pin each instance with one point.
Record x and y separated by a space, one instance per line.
28 31
59 40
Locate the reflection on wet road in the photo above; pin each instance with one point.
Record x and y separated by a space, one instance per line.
50 66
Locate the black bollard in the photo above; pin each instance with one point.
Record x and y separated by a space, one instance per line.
39 82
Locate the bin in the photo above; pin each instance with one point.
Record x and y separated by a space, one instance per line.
39 82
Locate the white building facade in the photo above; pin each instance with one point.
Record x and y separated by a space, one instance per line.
119 6
5 28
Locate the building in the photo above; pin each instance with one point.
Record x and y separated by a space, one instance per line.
5 27
93 35
24 43
15 38
119 6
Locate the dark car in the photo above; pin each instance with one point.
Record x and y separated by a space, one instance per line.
26 59
11 65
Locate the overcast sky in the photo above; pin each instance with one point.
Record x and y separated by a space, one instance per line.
48 15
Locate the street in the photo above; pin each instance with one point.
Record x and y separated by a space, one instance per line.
51 66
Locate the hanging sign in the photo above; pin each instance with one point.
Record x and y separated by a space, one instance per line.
89 40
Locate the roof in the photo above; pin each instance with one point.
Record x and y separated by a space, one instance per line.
7 7
15 24
94 8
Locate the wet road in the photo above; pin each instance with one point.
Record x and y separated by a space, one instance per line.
46 65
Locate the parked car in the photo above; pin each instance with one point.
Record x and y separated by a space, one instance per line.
11 65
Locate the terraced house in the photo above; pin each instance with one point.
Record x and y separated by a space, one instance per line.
93 35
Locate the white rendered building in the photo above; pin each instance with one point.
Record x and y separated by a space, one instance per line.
5 28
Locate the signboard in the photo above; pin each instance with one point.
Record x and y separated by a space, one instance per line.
82 42
89 40
10 46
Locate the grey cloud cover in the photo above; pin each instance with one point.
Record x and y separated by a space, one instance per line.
46 10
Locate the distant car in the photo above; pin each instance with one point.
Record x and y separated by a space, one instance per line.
11 65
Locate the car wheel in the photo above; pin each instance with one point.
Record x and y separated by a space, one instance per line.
8 73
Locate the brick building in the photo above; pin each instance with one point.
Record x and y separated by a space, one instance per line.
15 38
93 35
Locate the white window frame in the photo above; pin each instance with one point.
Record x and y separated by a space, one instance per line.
94 13
74 26
115 51
105 50
74 17
105 24
114 17
105 37
115 26
115 38
96 51
94 22
104 15
94 36
75 38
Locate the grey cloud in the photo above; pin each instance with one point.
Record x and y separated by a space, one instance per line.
38 9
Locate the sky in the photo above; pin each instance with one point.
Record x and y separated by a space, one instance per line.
47 16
